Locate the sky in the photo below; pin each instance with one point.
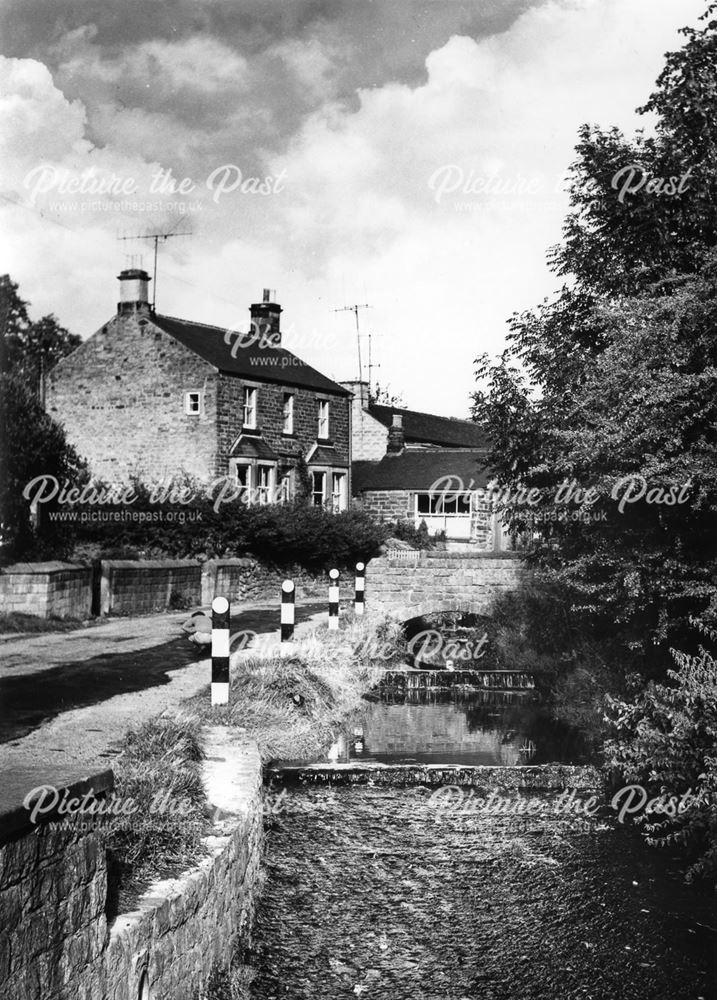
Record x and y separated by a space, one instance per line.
407 155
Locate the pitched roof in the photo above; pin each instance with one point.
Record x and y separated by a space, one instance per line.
420 470
265 364
432 429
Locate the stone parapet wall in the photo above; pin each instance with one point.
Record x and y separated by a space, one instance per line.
55 940
138 587
51 589
135 587
441 582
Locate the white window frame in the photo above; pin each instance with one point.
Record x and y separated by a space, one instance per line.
249 407
440 515
265 483
284 488
289 399
188 399
314 491
339 496
324 420
246 487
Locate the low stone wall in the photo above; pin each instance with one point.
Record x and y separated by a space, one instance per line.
441 582
138 587
55 941
49 589
250 580
135 587
53 888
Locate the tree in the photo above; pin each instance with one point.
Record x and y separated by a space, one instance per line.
617 375
29 350
32 444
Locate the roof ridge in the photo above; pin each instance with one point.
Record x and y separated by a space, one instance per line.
425 413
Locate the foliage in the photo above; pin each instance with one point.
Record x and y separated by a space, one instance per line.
31 444
665 739
406 531
617 375
29 350
294 706
150 525
382 394
162 758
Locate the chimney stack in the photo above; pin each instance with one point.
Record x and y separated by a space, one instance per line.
265 322
396 441
134 291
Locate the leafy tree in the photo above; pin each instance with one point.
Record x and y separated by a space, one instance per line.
29 350
617 375
32 445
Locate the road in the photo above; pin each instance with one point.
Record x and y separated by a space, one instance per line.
42 676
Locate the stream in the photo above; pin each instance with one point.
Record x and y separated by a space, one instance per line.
388 892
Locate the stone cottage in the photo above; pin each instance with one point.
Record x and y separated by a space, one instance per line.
414 466
158 397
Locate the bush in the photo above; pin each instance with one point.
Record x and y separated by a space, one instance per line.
418 537
285 535
665 739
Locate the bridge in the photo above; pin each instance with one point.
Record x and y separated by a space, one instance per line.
409 584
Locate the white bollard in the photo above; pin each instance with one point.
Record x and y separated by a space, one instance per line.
288 610
360 589
220 651
333 599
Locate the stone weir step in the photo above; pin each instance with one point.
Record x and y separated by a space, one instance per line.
537 777
418 678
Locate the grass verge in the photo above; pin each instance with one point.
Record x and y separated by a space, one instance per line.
159 769
19 622
293 705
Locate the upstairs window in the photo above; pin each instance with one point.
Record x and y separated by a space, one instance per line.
288 413
323 418
249 417
193 402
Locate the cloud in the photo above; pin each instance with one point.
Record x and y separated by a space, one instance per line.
358 140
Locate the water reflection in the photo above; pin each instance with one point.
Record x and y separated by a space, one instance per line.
460 729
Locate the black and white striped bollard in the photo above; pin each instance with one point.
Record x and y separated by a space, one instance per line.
220 651
360 590
333 598
288 613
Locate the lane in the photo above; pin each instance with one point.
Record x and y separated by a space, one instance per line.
29 699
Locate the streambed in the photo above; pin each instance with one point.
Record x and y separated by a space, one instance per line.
373 891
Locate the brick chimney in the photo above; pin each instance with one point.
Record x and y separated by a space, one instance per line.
265 322
359 391
396 441
134 291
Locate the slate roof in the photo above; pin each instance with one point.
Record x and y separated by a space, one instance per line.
419 470
253 446
432 429
265 364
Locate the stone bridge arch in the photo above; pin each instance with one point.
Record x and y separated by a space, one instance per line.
424 583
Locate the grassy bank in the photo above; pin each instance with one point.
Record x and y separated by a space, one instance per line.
159 769
293 705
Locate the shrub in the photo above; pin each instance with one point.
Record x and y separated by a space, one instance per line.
665 739
291 534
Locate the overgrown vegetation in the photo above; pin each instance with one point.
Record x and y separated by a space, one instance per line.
665 740
283 535
159 769
293 705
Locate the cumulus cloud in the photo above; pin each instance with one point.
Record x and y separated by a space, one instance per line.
360 216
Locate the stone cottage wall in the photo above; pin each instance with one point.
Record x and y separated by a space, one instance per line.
120 398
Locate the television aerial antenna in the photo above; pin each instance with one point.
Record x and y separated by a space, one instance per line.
355 310
156 237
